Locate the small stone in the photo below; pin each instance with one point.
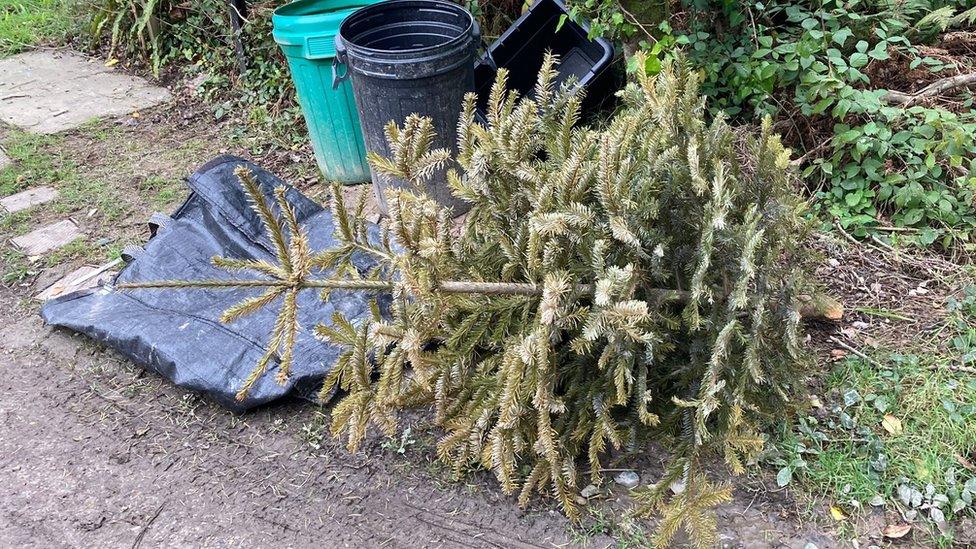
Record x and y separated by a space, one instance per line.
590 491
833 262
877 501
627 479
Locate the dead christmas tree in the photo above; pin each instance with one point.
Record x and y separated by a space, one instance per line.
609 287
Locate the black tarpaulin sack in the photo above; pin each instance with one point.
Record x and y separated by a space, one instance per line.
177 332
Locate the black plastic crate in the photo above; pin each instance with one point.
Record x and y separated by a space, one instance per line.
523 46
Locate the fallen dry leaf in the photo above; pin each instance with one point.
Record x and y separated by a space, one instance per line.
837 513
966 463
837 354
111 62
891 424
896 531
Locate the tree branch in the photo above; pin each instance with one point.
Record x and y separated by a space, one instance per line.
935 88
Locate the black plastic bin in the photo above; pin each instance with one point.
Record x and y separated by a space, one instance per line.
523 47
404 57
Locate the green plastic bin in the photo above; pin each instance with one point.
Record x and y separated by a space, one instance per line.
306 31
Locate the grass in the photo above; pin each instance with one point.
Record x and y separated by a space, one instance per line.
15 267
896 433
161 192
34 162
25 24
625 532
88 195
40 160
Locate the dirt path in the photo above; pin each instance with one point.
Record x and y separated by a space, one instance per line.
96 452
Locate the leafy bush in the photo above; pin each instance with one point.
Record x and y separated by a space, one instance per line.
824 70
194 41
607 287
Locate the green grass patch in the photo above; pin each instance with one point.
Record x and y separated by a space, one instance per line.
39 160
15 224
15 266
27 23
896 433
77 248
34 162
162 192
84 194
625 532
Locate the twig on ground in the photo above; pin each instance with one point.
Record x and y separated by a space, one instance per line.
812 152
954 368
883 244
858 353
846 234
152 519
933 89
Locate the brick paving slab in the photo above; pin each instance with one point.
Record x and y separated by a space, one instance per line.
27 199
47 238
52 91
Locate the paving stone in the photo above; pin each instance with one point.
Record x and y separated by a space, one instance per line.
79 279
49 92
47 238
27 199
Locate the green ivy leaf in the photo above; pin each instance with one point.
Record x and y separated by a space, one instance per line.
784 477
840 36
927 236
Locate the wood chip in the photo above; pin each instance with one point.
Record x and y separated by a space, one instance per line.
79 279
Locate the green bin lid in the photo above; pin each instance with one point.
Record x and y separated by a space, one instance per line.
313 23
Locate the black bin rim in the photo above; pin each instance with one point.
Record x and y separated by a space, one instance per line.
464 35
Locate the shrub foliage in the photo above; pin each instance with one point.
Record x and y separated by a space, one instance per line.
840 78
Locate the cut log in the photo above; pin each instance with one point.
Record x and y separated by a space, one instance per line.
821 307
